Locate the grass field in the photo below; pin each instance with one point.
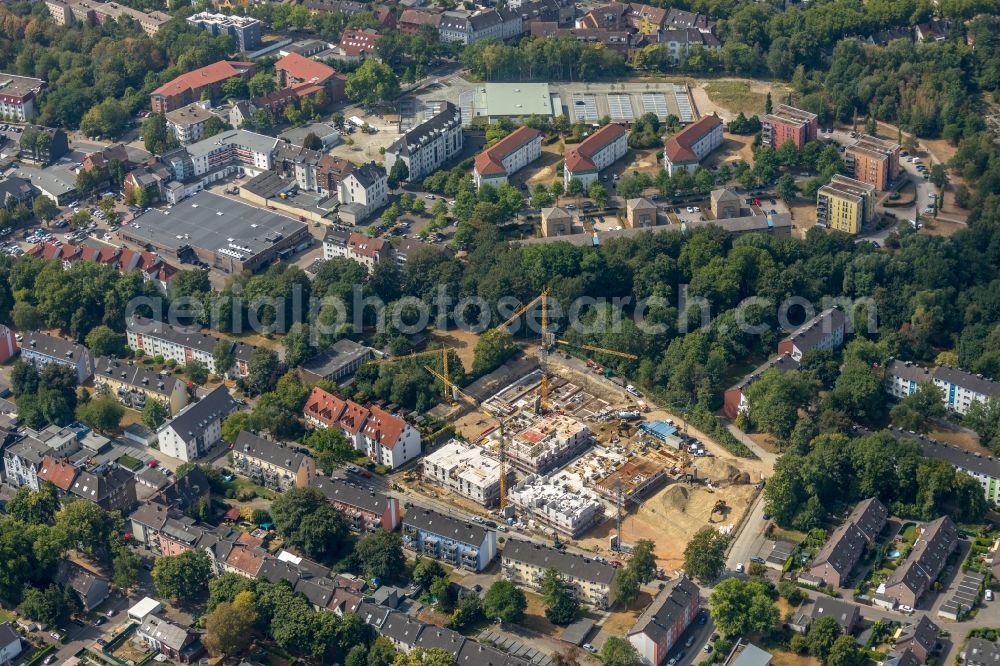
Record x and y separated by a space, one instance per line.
735 96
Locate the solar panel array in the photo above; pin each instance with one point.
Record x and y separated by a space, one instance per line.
620 107
585 107
683 104
655 103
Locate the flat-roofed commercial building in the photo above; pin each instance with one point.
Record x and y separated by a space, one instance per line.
788 123
873 160
845 204
494 101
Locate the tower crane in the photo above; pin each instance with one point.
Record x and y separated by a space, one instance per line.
543 299
442 352
599 350
479 405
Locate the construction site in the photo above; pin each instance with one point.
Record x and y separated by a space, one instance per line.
554 444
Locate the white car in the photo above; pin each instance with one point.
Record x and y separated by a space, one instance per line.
589 648
989 594
696 209
690 210
906 609
739 567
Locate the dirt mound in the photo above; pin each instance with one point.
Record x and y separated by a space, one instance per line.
676 498
720 472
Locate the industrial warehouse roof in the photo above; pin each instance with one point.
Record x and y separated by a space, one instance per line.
517 99
214 223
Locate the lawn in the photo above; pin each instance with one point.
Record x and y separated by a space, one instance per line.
245 488
129 462
735 96
7 616
534 616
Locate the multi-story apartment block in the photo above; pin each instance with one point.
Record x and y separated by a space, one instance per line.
335 242
786 123
845 204
40 349
426 147
24 458
507 156
192 86
244 30
680 41
188 122
548 443
272 464
68 13
493 23
525 563
185 344
656 631
367 250
233 152
598 151
356 45
466 470
366 510
552 501
17 96
198 427
133 384
383 437
308 76
984 469
108 486
461 544
734 402
362 192
826 330
687 148
874 161
962 388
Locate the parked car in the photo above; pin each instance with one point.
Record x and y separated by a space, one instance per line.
589 648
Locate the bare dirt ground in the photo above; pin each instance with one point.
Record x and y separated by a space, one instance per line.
252 339
765 440
544 170
534 616
474 425
463 342
734 149
792 659
960 437
727 97
672 516
620 621
803 217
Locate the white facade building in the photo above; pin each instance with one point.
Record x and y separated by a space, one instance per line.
687 148
467 470
960 389
362 192
509 155
197 427
594 154
557 501
426 147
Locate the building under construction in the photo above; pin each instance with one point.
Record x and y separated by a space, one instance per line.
466 470
559 502
545 443
637 478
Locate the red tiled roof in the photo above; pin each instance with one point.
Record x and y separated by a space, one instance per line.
58 472
304 69
246 559
324 406
208 75
678 147
383 427
353 417
51 251
579 158
490 161
365 246
419 17
355 42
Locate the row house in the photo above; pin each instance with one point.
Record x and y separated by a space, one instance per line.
459 543
827 330
429 145
499 24
525 563
913 578
24 459
504 158
275 465
133 384
837 558
366 510
197 427
597 152
412 20
185 344
687 148
108 486
152 267
985 469
40 349
657 629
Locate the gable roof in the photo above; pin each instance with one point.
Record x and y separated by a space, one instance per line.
568 564
842 550
207 75
58 472
340 491
428 520
490 161
678 147
809 334
191 421
580 158
274 453
670 606
356 42
304 69
845 613
383 427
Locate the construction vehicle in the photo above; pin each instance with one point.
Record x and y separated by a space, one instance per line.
454 390
442 352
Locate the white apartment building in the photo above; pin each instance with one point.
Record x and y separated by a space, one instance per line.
554 502
959 388
197 427
524 563
335 243
183 345
467 470
230 153
548 443
362 192
188 122
984 469
507 156
428 145
465 29
687 148
17 96
595 153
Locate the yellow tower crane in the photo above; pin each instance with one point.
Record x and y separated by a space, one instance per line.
543 299
478 405
442 352
599 350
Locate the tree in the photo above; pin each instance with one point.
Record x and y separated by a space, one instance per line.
213 125
330 448
155 136
26 317
34 508
183 577
196 371
915 411
229 629
23 377
235 87
598 193
939 176
124 568
540 196
627 584
262 370
102 341
154 413
381 554
775 399
845 652
104 413
223 356
786 188
643 561
373 82
426 571
742 606
494 348
261 84
307 521
705 554
504 601
575 187
52 606
822 634
424 656
561 606
398 173
45 209
233 425
618 651
768 104
440 589
312 142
